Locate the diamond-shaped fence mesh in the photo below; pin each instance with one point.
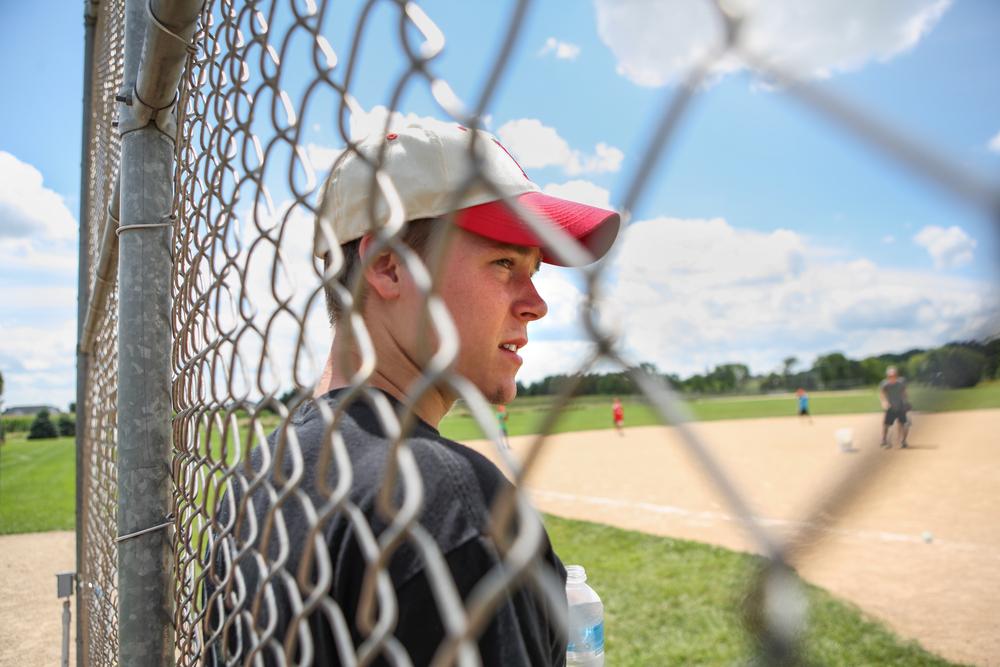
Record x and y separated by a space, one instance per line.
254 505
98 604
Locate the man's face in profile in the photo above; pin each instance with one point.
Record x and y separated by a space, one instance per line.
487 287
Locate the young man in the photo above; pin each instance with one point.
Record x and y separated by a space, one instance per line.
892 394
485 282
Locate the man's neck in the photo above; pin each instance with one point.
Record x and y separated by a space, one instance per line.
340 368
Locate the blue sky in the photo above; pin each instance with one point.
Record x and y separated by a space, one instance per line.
765 231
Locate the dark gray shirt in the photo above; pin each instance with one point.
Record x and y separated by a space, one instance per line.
459 485
895 392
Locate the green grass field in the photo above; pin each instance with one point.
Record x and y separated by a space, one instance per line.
37 485
675 602
37 476
588 413
667 601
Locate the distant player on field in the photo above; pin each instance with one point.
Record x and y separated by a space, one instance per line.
892 393
803 398
502 416
618 414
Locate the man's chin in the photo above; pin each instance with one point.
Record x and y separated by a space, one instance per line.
500 394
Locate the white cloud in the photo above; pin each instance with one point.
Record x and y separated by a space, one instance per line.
562 50
657 42
38 363
950 248
536 145
888 239
557 287
582 191
690 294
42 297
552 357
37 231
994 143
28 209
268 285
38 257
533 144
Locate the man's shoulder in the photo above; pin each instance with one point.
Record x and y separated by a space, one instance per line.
449 471
462 466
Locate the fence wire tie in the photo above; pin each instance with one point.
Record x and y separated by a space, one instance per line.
191 47
169 521
148 225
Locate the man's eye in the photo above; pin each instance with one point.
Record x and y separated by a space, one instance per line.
505 263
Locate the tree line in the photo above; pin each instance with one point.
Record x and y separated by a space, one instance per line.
956 364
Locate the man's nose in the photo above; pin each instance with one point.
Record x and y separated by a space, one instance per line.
531 306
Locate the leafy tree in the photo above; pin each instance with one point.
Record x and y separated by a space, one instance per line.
673 379
773 382
836 370
787 364
992 351
730 377
949 366
873 370
66 425
42 427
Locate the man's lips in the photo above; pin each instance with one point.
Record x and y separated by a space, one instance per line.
512 346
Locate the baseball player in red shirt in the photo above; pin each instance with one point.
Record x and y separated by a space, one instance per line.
618 412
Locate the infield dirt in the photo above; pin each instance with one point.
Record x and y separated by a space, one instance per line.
944 593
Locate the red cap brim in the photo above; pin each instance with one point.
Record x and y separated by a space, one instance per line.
595 228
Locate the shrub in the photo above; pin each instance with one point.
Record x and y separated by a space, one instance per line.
42 427
16 424
67 425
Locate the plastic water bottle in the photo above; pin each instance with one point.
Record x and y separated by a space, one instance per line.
586 621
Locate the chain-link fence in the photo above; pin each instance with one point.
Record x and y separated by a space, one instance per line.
252 506
97 608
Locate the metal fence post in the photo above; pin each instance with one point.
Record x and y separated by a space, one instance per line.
145 612
83 300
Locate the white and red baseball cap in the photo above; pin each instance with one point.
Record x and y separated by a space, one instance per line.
427 164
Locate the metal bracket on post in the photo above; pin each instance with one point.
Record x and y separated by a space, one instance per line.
153 98
134 114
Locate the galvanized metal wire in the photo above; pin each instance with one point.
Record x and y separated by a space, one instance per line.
248 322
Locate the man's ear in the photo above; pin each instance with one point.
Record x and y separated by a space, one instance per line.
384 273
